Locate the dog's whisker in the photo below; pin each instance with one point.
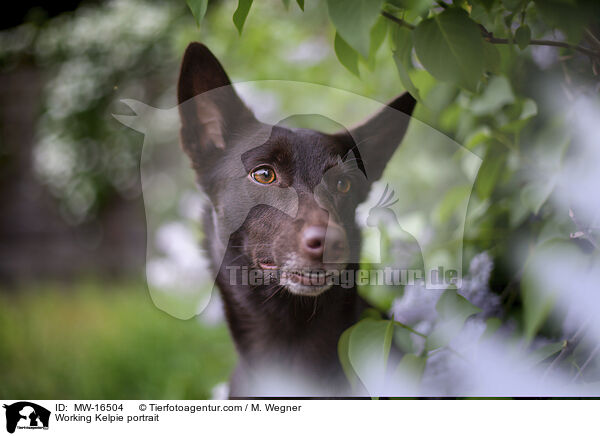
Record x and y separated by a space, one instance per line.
236 258
253 245
277 290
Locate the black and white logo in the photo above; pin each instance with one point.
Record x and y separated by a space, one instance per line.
26 415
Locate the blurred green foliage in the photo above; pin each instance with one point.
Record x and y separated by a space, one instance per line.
93 341
472 68
481 73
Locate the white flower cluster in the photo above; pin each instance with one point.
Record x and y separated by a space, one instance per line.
475 287
417 308
90 56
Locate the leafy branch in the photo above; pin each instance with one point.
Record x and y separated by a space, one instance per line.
489 37
397 20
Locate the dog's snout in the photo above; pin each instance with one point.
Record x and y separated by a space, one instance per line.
313 240
320 240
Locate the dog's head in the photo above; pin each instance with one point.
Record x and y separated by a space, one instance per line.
286 196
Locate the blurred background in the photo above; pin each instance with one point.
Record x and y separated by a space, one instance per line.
76 318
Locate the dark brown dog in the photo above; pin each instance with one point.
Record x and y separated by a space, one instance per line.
286 332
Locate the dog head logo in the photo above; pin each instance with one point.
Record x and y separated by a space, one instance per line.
26 415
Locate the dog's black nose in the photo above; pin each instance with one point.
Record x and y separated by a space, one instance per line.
319 240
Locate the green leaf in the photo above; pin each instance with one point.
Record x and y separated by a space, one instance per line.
572 18
508 19
487 4
378 34
496 95
403 340
286 4
523 36
478 136
491 327
453 310
513 5
535 194
548 151
539 293
489 173
454 198
300 4
343 354
347 56
354 19
528 111
402 58
542 353
450 47
198 8
387 341
492 58
453 306
241 13
413 9
368 349
412 364
371 313
409 372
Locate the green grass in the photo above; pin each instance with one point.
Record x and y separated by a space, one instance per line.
105 342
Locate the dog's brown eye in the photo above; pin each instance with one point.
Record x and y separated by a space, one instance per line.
343 185
264 175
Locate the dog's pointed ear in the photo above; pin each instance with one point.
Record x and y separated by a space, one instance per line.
376 140
209 108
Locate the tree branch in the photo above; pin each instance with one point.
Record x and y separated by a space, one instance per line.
398 21
489 36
